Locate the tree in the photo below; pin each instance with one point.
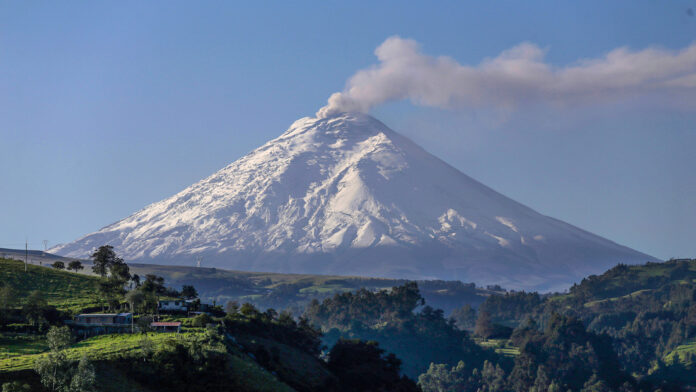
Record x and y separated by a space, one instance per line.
143 323
135 298
84 379
75 265
59 374
54 369
16 386
484 326
119 271
439 378
147 347
135 278
362 366
249 310
58 338
58 265
7 302
464 317
110 291
153 284
232 308
102 259
189 292
34 309
201 320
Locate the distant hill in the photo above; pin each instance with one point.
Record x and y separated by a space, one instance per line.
281 291
218 285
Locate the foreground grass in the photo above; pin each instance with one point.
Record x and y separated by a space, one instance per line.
12 345
66 291
103 347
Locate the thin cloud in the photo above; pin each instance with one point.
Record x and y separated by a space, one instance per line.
516 77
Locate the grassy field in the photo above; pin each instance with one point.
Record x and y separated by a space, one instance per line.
501 346
64 290
12 345
680 353
103 347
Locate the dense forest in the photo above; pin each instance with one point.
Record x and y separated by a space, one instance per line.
632 328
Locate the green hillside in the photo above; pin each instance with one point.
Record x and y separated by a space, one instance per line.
108 351
67 291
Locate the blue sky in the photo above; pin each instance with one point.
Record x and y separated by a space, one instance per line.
107 107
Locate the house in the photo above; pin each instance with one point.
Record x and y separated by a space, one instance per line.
163 326
103 319
172 305
99 323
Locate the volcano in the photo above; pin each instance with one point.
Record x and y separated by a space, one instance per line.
346 195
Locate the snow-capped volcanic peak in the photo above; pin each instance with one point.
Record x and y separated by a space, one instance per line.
347 195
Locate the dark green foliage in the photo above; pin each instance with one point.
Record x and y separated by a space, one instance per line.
8 300
464 317
190 364
16 386
35 309
201 320
568 355
459 378
58 265
565 356
486 329
75 265
484 326
153 284
189 292
278 327
363 366
57 372
389 318
102 259
512 306
58 338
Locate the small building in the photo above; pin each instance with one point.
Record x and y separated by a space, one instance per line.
166 326
104 319
100 323
172 305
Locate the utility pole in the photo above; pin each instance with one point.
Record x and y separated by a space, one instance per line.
26 255
198 261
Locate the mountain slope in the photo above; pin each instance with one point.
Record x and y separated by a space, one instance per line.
347 195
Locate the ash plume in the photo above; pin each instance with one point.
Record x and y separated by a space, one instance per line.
517 76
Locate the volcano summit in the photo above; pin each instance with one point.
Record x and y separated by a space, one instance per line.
346 195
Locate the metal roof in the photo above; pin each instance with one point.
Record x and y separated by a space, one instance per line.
165 324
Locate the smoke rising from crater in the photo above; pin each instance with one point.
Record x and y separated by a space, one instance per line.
515 77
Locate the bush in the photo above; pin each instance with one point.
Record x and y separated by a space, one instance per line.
201 320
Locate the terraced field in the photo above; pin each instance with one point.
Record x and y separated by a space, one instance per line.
682 353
